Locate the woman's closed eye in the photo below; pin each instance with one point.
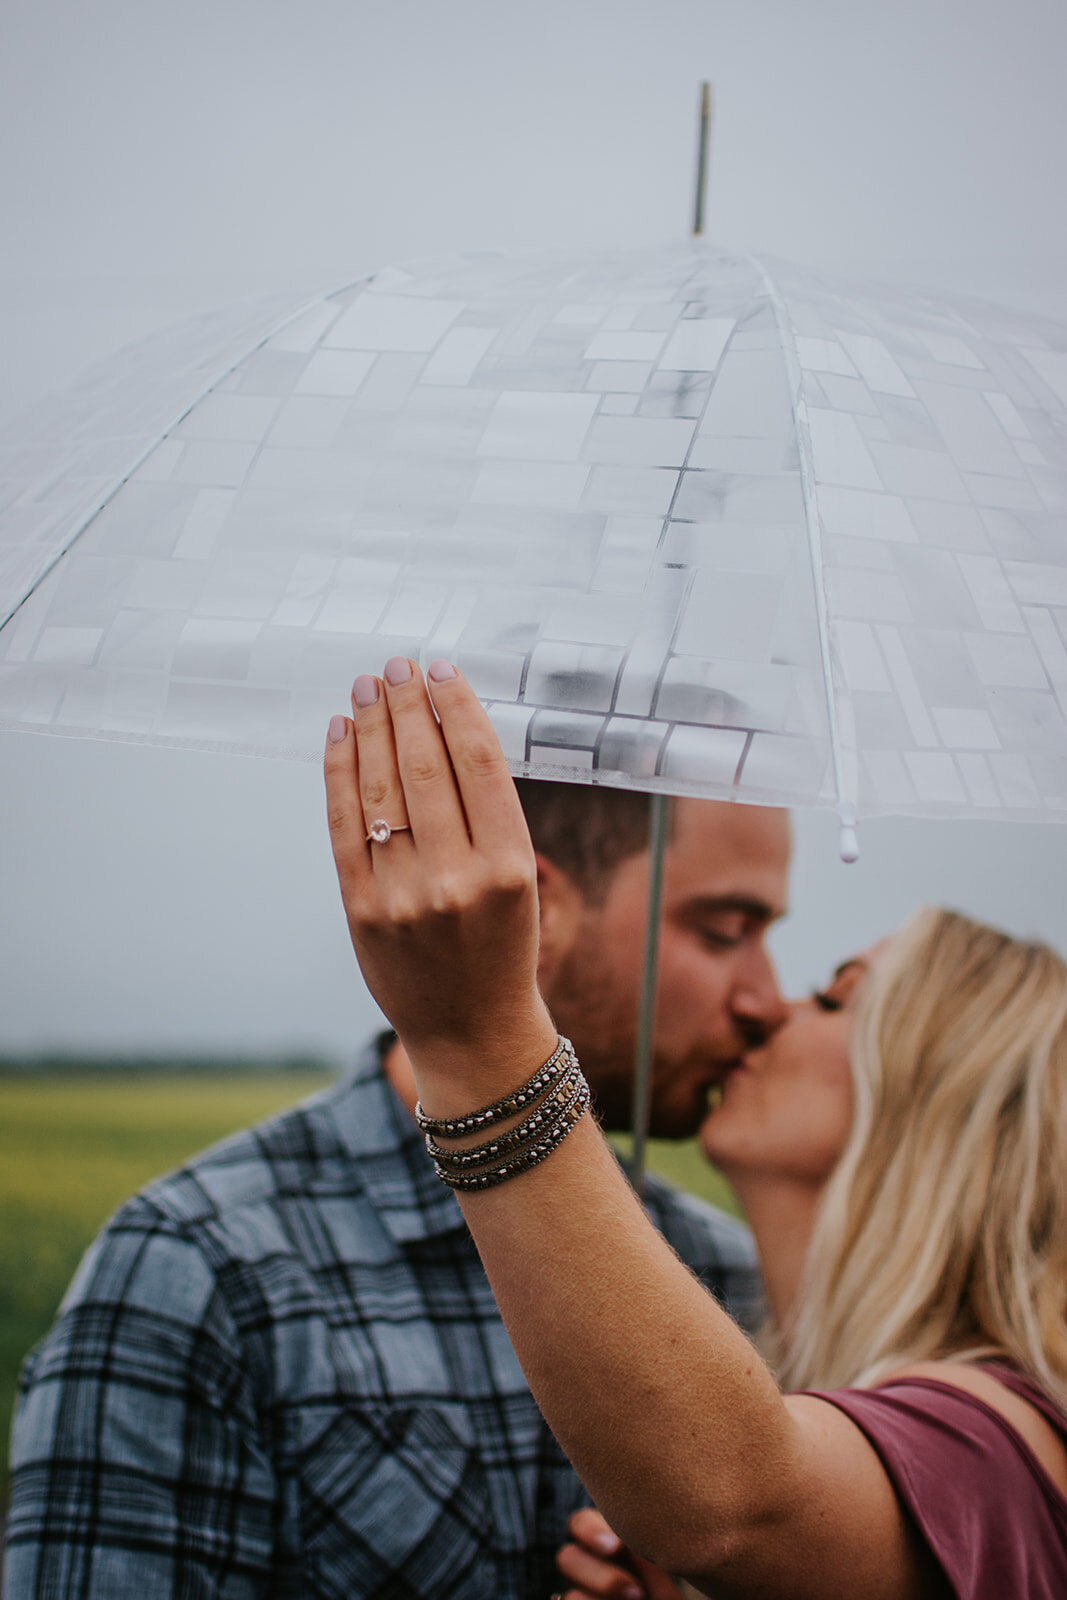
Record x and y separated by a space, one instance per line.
842 986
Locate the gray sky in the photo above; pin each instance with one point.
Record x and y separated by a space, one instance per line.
156 161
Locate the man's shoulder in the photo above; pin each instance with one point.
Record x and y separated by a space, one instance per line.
261 1162
228 1198
314 1145
236 1207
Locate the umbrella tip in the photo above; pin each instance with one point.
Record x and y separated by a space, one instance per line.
848 843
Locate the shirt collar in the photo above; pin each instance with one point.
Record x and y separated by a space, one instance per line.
378 1131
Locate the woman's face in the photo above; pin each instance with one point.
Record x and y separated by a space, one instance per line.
786 1111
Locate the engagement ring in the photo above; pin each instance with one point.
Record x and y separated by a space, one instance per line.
381 831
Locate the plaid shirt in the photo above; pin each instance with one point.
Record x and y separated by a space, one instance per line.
281 1372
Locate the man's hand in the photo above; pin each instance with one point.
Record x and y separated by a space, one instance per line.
443 915
597 1563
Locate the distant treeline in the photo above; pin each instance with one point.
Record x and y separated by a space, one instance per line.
140 1065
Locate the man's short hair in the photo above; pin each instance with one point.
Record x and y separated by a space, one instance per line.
585 830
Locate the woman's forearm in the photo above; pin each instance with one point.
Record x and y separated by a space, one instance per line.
672 1420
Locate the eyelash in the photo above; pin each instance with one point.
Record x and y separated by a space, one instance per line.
824 1001
720 941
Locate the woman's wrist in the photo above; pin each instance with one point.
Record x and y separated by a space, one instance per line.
456 1074
509 1136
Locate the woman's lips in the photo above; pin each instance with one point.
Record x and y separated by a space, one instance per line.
724 1071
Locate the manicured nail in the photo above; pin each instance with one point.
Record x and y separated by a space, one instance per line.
365 690
338 729
397 670
440 670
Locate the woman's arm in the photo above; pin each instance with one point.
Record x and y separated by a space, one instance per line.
675 1425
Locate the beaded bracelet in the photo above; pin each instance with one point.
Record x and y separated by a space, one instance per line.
560 1098
532 1156
508 1105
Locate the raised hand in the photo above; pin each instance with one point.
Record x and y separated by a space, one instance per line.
443 912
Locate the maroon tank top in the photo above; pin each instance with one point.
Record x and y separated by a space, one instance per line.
989 1512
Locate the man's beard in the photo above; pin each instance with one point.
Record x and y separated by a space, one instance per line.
586 1005
606 1045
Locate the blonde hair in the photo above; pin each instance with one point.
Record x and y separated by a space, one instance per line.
943 1230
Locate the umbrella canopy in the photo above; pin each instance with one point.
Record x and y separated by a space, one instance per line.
690 523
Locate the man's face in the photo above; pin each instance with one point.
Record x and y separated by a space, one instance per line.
725 876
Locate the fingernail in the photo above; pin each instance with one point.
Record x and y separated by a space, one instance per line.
440 670
607 1543
632 1592
365 690
397 670
338 729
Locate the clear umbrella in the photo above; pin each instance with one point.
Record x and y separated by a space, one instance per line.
691 523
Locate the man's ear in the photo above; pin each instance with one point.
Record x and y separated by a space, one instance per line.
561 905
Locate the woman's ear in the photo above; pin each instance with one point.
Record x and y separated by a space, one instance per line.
561 905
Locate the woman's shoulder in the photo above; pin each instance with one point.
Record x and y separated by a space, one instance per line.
985 1383
980 1470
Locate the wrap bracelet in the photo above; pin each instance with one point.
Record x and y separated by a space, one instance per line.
531 1156
560 1098
508 1105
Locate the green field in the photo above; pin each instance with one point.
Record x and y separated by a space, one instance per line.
74 1145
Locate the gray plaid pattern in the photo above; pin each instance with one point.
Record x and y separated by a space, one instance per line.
280 1371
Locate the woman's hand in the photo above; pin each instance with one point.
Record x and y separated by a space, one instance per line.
443 916
597 1563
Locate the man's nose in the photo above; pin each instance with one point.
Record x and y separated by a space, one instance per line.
756 999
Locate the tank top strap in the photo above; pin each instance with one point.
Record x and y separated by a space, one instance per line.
1027 1389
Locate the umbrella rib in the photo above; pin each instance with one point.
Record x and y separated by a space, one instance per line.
82 523
844 772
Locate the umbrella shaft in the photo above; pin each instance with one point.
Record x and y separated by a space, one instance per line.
659 815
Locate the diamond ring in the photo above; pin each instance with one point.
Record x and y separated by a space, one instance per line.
381 831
